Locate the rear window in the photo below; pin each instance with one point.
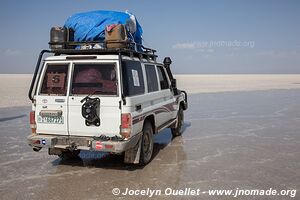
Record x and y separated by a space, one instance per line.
133 80
152 83
55 80
94 79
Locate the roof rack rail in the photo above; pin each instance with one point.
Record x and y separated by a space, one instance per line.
99 47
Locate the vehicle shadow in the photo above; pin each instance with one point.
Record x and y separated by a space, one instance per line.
112 161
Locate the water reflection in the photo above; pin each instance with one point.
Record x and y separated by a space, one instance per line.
112 161
102 172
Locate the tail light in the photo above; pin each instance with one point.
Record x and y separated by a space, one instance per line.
126 121
98 145
32 122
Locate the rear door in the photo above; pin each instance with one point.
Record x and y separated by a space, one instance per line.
98 80
51 100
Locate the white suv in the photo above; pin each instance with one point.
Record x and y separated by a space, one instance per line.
108 100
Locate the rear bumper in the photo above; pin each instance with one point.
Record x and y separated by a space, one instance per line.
39 141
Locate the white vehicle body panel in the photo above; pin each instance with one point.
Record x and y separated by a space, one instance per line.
51 103
110 118
110 112
73 123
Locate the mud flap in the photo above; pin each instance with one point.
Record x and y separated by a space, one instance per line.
132 156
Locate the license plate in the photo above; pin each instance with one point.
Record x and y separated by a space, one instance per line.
51 119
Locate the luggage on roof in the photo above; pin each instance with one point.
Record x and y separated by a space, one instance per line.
99 32
90 26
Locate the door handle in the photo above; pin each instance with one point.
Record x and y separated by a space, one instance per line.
138 107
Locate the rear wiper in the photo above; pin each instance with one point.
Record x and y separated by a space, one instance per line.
88 96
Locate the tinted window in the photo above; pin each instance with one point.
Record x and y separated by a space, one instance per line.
164 84
55 80
151 78
133 81
94 79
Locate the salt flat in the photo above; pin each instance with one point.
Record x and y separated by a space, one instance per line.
247 140
237 82
14 87
235 136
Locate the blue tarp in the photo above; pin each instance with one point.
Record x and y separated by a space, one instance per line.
90 26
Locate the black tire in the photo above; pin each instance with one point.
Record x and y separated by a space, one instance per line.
68 155
147 144
177 131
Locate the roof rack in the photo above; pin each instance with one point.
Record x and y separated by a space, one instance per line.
97 47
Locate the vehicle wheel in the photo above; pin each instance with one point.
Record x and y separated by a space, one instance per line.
177 131
67 154
147 144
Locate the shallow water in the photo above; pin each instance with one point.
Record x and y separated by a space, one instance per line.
231 140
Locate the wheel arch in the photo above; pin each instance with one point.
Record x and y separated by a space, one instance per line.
151 119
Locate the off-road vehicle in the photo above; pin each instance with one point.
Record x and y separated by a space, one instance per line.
105 99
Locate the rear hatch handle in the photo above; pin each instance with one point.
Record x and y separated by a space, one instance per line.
59 100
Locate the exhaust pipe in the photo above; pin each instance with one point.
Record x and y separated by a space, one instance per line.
37 149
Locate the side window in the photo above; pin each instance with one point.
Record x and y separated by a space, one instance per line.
55 80
163 80
133 80
151 78
89 78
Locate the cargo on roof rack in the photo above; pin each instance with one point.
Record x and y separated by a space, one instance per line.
99 30
95 26
61 43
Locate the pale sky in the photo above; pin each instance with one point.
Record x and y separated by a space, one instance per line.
211 36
